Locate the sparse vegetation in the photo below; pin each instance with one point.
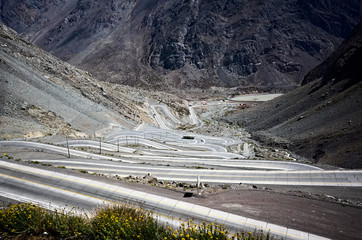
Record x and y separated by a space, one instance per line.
133 145
7 156
46 164
185 126
113 222
27 219
199 167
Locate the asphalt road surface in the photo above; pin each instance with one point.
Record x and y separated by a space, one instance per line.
50 188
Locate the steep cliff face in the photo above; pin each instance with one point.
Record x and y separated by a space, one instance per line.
265 43
322 119
189 43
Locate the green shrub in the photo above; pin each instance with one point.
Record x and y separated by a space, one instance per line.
114 222
124 222
30 220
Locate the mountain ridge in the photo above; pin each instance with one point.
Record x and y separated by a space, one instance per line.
188 44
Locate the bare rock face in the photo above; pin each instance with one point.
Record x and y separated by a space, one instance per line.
187 44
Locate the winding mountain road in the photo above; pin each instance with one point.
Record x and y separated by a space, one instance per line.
169 156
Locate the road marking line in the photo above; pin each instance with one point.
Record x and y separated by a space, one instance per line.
96 186
57 188
82 194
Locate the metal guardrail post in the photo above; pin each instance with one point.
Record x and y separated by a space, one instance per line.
198 185
67 147
100 145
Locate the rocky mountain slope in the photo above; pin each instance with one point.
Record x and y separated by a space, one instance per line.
190 43
42 95
322 120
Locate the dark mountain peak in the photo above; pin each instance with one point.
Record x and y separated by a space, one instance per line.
187 44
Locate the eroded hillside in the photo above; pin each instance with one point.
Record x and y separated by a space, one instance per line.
42 95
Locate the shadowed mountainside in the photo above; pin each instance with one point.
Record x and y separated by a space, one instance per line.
322 120
190 43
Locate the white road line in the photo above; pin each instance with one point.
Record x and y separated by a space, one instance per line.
180 207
